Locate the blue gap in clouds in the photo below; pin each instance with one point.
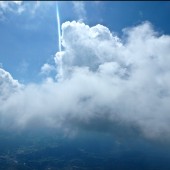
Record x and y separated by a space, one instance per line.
118 15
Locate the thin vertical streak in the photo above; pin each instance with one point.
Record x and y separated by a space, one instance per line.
58 54
58 27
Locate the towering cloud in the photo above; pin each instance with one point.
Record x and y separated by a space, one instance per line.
108 84
7 84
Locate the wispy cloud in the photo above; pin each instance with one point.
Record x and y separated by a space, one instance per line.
23 67
13 6
47 68
79 8
18 7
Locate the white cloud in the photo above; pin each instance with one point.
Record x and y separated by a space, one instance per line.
8 85
91 47
47 68
3 4
17 2
18 7
13 6
107 84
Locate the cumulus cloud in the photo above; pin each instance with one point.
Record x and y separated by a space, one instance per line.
108 84
8 85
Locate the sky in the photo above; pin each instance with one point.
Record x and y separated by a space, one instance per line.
111 75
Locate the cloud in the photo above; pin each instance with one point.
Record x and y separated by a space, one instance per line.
47 68
13 6
79 8
8 85
18 7
110 84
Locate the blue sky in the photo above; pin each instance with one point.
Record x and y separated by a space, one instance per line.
29 39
